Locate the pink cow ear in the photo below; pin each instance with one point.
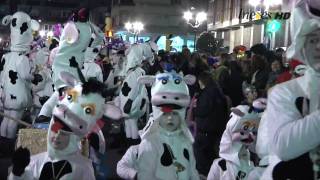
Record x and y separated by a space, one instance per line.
68 79
237 112
70 33
112 111
148 80
189 79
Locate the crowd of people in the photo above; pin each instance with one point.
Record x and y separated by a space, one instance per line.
249 114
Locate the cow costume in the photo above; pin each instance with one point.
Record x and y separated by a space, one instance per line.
237 144
165 151
133 96
44 89
74 40
73 118
292 121
17 71
90 68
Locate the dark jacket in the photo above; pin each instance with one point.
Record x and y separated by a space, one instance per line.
211 110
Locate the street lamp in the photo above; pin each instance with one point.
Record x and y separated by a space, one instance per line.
200 17
134 28
195 20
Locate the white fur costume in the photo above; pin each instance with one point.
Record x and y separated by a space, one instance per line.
127 166
16 71
234 162
163 154
91 69
73 43
291 125
133 96
43 89
77 113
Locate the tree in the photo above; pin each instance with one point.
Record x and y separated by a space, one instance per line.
208 44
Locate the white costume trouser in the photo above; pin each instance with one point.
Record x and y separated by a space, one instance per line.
131 128
8 126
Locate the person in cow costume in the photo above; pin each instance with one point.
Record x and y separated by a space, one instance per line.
238 143
17 71
44 89
165 151
292 122
73 118
74 40
91 69
133 96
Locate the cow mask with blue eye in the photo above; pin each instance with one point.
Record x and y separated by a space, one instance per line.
82 106
21 26
169 90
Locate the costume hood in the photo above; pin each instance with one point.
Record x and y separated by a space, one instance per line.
241 130
303 22
134 57
96 43
21 26
78 112
169 92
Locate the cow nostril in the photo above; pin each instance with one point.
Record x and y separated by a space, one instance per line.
80 127
176 98
164 97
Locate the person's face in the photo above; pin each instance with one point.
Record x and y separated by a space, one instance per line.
275 66
251 95
59 140
170 121
311 50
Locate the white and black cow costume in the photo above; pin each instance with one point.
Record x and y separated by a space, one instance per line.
163 154
237 143
91 69
291 125
133 96
17 71
73 118
44 89
74 40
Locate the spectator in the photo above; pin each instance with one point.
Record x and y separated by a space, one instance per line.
276 70
221 74
211 115
260 76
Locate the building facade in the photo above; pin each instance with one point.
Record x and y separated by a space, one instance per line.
160 18
231 21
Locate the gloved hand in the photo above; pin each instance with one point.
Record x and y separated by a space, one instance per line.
43 99
20 160
42 118
37 78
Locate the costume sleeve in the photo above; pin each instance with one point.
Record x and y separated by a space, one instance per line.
147 161
214 173
87 173
194 172
25 69
126 166
290 134
47 107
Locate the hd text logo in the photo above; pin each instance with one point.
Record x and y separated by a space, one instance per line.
257 15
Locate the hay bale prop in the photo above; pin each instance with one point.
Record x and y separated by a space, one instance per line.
33 139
